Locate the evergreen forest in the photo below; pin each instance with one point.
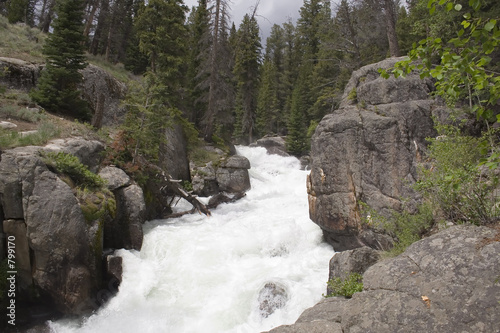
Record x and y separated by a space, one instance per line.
218 78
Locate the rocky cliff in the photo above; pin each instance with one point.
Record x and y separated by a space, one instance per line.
367 151
59 238
447 283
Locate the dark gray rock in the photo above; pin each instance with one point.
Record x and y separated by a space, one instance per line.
20 74
233 180
353 261
448 282
232 176
272 296
173 153
115 177
236 162
114 267
125 231
57 232
10 188
89 152
17 228
274 145
104 93
368 152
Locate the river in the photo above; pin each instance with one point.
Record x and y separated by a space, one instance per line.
200 274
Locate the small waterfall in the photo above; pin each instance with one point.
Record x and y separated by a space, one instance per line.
253 265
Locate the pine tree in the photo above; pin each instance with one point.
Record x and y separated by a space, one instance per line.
21 11
57 88
246 70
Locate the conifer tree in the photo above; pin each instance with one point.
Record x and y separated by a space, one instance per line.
57 88
246 70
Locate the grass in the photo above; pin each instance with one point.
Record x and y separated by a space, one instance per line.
21 42
116 70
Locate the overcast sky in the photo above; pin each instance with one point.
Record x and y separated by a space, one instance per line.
269 12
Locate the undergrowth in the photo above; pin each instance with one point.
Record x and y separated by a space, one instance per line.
353 283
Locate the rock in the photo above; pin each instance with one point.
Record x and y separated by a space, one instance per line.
173 154
114 267
274 145
57 234
204 181
236 162
233 180
115 177
89 152
11 196
20 74
272 297
368 152
305 162
233 175
104 94
445 283
125 231
17 229
221 198
352 261
27 133
7 125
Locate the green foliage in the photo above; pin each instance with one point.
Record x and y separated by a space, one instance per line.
45 132
21 113
406 227
460 190
21 42
353 95
57 88
353 283
70 165
96 204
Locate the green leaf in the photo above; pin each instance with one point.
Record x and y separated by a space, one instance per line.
490 25
458 7
432 10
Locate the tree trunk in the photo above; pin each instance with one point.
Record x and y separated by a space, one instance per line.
390 20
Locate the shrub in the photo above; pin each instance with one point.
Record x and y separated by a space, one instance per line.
353 283
458 189
67 164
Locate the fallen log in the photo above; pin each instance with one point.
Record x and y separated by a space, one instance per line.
167 182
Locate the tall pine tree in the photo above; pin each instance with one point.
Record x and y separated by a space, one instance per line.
57 89
246 70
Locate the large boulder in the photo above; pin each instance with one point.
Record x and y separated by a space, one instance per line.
367 151
104 93
448 282
274 145
19 74
89 152
125 230
173 153
232 176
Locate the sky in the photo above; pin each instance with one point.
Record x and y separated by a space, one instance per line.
269 12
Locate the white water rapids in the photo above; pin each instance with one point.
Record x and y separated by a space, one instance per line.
203 274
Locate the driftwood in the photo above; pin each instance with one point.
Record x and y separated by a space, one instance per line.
174 186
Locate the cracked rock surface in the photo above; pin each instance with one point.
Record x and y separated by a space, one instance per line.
447 283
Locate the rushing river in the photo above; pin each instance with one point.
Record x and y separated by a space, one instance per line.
200 274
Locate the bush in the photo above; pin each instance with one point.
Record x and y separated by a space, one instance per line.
353 283
459 190
67 164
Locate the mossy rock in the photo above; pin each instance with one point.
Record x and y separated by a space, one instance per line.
96 205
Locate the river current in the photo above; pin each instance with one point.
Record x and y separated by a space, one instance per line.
199 274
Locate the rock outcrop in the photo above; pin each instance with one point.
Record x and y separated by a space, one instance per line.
274 145
367 151
173 153
230 176
448 282
19 74
104 93
59 241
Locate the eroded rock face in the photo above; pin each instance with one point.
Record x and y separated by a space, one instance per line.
274 145
173 154
104 94
445 283
20 74
368 151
